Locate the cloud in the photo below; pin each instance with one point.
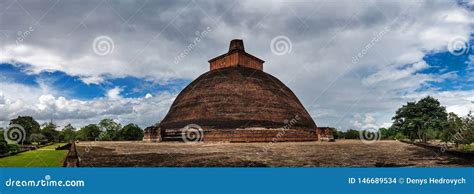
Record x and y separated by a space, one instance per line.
325 36
394 73
114 93
148 95
459 102
45 107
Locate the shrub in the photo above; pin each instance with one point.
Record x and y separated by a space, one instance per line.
13 148
352 134
3 147
400 136
131 132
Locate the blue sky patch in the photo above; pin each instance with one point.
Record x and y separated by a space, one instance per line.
445 62
74 88
134 87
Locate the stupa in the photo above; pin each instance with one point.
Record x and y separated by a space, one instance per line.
236 101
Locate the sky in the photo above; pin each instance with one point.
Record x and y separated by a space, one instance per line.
351 63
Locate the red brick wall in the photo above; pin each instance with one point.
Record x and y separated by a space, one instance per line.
249 135
324 133
235 59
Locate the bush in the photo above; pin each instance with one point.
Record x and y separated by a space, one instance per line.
29 124
3 147
89 133
8 148
400 136
38 139
131 132
335 133
13 148
352 134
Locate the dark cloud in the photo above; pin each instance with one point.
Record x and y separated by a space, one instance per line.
325 36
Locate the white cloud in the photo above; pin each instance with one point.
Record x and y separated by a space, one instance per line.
459 102
2 99
325 36
114 93
44 107
394 73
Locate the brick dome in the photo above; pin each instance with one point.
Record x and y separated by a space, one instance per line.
237 101
236 97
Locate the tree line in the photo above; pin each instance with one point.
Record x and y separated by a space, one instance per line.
34 133
427 119
422 121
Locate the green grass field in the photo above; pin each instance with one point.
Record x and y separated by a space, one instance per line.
43 157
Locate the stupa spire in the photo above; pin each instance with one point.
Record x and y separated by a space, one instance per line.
236 44
236 57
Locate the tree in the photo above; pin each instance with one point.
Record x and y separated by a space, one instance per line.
4 147
341 135
38 138
387 133
1 134
469 126
467 130
421 120
399 136
453 125
89 132
29 124
50 133
335 133
110 129
352 134
3 143
405 120
69 133
459 130
434 116
131 132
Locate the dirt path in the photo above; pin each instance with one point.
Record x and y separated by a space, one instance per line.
343 153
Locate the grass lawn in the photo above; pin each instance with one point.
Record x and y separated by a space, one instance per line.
52 146
44 157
